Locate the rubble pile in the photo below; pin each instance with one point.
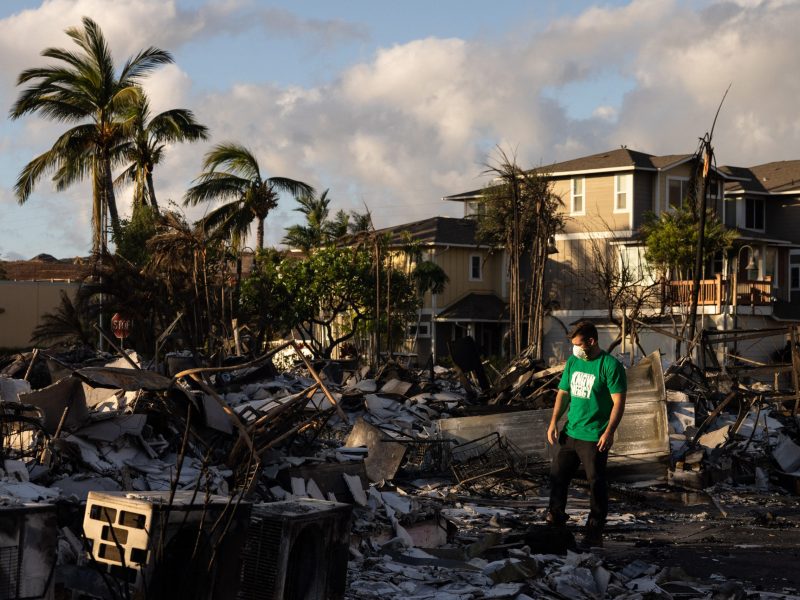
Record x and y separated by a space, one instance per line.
445 477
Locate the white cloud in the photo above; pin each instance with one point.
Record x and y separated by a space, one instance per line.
415 121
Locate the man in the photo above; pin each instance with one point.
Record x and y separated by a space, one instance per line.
594 386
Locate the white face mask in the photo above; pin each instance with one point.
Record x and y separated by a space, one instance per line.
579 352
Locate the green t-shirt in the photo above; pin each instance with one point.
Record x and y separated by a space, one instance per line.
590 384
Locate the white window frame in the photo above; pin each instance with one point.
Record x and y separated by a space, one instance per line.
667 205
424 330
573 195
763 215
627 189
791 267
472 258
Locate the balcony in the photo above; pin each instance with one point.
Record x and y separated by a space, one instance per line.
714 292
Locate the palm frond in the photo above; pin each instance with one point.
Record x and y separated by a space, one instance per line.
292 186
214 186
143 63
235 158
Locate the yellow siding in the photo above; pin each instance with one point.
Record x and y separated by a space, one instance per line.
456 263
598 203
568 279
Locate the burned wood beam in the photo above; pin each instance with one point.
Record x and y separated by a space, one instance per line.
713 415
117 348
316 377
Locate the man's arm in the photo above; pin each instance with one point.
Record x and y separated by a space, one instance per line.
607 439
562 400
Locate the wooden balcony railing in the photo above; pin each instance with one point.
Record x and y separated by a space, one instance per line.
715 292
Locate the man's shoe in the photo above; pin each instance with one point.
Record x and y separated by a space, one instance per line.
592 538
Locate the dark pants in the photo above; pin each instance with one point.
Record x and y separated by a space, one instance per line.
571 454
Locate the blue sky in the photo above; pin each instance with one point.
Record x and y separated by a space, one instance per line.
394 105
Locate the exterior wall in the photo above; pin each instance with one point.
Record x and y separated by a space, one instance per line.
643 196
23 303
569 272
683 171
782 218
456 263
598 199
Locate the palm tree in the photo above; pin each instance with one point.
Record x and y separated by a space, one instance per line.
251 196
148 135
83 88
317 229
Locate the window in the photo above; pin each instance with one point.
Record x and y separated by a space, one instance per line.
622 192
634 267
578 196
474 208
794 272
729 206
677 190
754 213
475 264
424 330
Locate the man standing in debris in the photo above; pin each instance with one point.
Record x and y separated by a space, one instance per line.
593 386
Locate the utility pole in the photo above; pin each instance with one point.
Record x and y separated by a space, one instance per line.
707 154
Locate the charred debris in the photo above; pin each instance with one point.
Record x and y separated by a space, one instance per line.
128 479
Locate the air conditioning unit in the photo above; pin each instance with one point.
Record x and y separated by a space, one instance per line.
158 550
296 550
28 542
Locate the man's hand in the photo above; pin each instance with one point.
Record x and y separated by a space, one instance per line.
552 434
606 441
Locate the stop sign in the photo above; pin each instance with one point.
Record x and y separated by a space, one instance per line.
120 326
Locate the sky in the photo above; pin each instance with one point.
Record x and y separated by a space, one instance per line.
393 105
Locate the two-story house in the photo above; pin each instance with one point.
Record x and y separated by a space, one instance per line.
606 199
474 301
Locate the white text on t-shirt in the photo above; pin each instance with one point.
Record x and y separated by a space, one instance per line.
581 384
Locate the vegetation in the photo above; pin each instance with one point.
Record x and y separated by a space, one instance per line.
165 266
83 88
672 239
67 324
522 218
146 137
250 196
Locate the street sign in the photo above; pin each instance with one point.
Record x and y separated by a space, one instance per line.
120 326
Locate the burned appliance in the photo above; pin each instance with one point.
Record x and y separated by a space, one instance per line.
28 540
296 550
186 549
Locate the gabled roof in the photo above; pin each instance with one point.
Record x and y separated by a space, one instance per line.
439 231
770 178
612 159
476 306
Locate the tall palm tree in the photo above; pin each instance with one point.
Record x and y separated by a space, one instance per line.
147 137
251 196
83 88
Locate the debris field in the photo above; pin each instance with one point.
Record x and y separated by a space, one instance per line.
125 479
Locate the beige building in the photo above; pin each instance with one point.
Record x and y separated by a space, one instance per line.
474 301
32 288
607 198
22 304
